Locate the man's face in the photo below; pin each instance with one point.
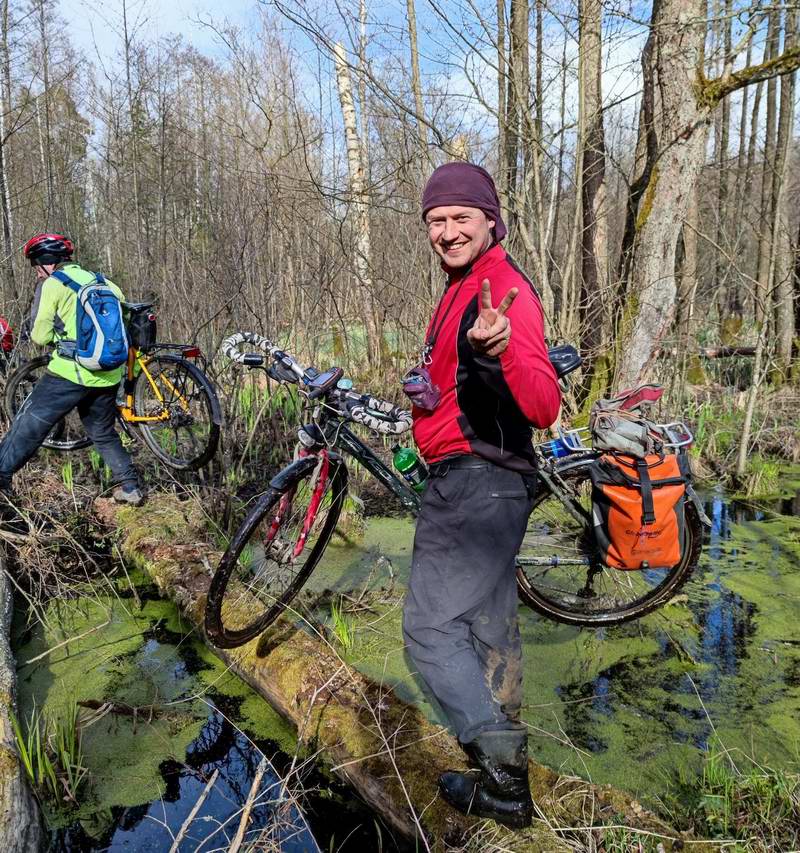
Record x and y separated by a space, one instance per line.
43 271
458 234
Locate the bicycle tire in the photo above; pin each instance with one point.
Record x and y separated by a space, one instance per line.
629 595
64 436
145 403
225 635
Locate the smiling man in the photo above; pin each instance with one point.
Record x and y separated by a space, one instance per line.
489 381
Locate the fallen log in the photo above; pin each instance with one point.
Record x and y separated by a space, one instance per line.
20 826
384 747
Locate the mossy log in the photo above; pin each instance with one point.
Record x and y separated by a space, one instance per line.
20 826
385 748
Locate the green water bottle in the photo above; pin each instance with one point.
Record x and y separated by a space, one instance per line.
412 468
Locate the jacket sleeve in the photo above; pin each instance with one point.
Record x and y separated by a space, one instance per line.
523 371
44 314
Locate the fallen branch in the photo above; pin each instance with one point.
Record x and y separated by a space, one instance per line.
248 806
193 813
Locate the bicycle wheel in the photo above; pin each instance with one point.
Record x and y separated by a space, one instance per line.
560 573
68 433
178 394
268 560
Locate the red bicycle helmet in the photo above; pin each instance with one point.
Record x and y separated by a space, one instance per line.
48 249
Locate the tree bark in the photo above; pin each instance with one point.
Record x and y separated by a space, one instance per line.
722 125
763 297
362 259
5 194
677 105
416 81
47 153
673 129
502 111
781 284
594 234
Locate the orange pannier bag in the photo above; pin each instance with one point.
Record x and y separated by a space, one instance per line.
638 509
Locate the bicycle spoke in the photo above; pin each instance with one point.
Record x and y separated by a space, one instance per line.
269 571
170 391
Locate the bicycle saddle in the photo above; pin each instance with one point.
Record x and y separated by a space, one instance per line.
137 307
564 358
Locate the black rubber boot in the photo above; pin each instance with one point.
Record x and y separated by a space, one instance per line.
497 787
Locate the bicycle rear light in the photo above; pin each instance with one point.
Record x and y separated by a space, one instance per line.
191 352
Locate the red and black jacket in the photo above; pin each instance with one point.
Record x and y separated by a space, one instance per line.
488 405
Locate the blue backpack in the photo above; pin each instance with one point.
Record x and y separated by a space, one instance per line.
101 341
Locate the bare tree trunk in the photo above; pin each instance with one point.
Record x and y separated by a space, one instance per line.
672 141
361 224
516 101
5 194
687 279
594 235
502 114
47 155
416 81
672 137
781 284
555 200
722 126
763 296
133 108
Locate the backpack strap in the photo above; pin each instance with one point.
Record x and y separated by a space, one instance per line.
61 276
648 508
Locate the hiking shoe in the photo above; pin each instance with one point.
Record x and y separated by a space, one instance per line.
133 496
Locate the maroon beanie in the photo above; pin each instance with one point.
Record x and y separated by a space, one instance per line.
465 184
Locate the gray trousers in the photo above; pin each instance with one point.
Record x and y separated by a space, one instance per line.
460 616
51 399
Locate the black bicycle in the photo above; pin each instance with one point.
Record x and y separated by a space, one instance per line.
164 399
560 572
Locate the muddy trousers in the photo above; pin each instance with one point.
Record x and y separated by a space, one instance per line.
51 399
460 614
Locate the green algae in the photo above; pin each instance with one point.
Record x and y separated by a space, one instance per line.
143 658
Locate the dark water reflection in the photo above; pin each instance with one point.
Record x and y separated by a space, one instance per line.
153 826
712 668
331 818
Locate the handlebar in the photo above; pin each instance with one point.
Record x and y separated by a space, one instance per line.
379 415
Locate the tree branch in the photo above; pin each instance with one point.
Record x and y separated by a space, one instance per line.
711 92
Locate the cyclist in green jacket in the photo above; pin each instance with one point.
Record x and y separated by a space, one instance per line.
66 385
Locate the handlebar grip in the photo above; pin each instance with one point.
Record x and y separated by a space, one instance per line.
379 415
229 347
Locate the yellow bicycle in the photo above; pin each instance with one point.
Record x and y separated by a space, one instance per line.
164 399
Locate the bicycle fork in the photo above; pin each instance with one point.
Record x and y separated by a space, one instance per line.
283 553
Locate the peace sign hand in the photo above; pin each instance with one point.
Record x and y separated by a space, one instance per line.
491 331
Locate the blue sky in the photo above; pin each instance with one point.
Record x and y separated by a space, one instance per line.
95 25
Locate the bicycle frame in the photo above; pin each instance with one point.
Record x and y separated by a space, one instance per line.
135 357
352 444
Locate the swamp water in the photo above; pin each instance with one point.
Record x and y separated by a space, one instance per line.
638 705
148 767
634 706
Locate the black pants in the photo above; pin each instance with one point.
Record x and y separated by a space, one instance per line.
51 399
460 615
